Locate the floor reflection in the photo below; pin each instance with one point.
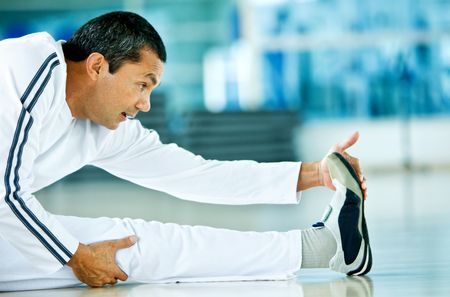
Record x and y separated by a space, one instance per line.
342 287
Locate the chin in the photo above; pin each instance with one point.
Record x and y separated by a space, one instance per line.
110 126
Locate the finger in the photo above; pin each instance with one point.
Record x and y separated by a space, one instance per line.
354 162
359 172
125 242
348 142
120 275
364 186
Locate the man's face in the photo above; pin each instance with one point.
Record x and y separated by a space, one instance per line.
126 92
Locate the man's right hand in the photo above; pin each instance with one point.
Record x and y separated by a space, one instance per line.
341 148
95 264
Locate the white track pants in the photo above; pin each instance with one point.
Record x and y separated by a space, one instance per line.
167 253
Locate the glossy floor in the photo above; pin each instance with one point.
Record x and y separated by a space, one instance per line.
408 220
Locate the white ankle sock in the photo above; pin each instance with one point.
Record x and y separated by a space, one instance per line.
318 247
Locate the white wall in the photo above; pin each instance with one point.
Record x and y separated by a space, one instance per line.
383 144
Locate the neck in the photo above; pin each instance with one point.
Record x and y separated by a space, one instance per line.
76 89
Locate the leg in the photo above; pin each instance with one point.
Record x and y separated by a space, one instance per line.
170 252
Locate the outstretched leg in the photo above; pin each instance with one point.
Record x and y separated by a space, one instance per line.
169 253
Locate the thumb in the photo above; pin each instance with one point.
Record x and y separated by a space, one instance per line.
349 141
125 242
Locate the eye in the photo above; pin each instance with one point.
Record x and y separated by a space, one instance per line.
142 87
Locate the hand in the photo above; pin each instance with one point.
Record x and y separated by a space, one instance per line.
95 264
341 148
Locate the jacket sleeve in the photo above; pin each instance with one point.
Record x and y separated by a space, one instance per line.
136 154
27 88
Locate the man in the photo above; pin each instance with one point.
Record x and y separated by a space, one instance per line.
66 105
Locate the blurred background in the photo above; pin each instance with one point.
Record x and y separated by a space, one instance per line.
280 80
283 80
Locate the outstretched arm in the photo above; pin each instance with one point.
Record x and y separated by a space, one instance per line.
136 154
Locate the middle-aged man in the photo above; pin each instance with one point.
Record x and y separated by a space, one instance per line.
68 104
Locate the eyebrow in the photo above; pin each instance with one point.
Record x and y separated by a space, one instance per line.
152 78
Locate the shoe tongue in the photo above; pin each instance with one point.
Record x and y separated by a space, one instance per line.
325 217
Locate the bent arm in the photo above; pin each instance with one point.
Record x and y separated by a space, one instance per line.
26 88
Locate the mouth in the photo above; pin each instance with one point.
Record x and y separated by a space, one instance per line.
125 116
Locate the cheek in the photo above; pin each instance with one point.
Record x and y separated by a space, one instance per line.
118 94
105 90
112 94
123 97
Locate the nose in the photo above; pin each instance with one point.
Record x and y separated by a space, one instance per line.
144 104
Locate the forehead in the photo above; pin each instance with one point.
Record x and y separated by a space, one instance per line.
149 66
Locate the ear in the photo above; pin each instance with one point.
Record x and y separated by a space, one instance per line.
95 65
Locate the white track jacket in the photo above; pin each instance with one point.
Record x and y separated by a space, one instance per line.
40 142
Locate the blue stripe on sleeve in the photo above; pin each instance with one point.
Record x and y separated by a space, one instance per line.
17 133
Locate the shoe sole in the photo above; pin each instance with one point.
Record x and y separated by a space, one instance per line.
366 264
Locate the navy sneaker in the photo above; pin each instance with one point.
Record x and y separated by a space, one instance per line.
345 219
